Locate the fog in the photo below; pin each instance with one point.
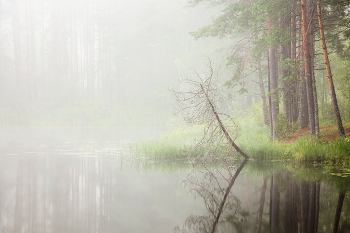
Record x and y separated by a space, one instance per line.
98 62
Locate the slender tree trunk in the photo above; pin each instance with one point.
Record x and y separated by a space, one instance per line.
294 110
263 94
303 108
329 72
308 71
286 91
273 68
311 7
270 98
274 89
286 80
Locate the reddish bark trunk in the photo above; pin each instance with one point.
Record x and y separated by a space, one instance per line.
329 72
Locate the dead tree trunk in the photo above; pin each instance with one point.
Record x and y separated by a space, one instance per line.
198 105
329 72
222 127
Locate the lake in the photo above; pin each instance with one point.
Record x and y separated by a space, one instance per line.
85 181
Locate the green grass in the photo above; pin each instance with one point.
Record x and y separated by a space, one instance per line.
253 137
254 140
170 146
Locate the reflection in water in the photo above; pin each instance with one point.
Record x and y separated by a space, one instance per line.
215 190
81 189
57 195
292 205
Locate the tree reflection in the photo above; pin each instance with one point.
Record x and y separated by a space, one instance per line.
214 189
294 205
60 194
42 192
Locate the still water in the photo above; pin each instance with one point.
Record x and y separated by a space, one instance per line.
88 184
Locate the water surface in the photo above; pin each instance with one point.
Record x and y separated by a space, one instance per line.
88 183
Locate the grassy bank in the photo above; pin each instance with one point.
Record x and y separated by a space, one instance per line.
175 145
254 140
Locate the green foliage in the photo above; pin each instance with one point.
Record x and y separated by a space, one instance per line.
284 127
339 150
168 146
254 139
309 149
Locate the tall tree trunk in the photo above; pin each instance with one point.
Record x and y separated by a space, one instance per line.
294 110
274 88
311 8
263 94
308 72
270 98
286 91
273 68
286 81
303 108
329 72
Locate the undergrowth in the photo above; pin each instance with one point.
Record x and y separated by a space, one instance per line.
253 137
168 146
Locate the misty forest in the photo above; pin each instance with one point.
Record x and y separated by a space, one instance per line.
183 116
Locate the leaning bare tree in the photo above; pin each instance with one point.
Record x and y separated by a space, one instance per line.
198 103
